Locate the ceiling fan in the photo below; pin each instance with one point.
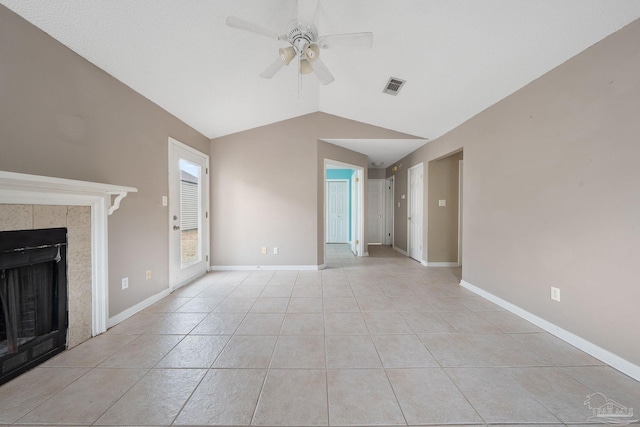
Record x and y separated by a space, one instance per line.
304 42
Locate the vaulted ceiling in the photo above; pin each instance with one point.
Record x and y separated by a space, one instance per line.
458 56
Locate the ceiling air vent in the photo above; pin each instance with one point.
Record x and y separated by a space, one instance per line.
393 86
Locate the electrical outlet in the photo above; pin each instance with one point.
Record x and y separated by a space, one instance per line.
264 250
555 294
125 282
276 251
148 275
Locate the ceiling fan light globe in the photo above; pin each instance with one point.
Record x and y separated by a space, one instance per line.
305 67
287 54
312 52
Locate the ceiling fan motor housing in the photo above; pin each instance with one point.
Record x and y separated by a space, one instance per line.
301 36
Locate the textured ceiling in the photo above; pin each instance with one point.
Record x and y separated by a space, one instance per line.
458 56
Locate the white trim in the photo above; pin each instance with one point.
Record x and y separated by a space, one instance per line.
403 252
267 267
423 263
419 166
441 264
136 308
18 188
588 347
460 203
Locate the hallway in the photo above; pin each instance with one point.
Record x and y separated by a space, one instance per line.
380 340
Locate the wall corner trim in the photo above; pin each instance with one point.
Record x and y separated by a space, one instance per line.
267 267
136 308
588 347
403 252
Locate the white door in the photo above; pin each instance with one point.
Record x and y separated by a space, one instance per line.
337 211
388 211
414 209
188 213
375 220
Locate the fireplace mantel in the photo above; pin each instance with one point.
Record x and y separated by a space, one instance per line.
104 199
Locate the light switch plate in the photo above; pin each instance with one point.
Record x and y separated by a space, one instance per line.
442 203
165 202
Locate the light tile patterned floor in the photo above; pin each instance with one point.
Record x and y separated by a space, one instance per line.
374 341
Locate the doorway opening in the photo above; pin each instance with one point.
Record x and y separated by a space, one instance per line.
445 211
352 175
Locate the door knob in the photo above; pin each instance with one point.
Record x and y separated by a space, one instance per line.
175 217
175 227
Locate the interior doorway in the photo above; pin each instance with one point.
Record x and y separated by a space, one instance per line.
445 211
356 202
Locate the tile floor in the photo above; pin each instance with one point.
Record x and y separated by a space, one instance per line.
374 341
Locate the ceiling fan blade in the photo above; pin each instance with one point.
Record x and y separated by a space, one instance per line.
307 12
323 73
241 24
352 40
272 69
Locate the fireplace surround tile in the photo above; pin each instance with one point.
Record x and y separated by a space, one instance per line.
77 220
16 217
45 216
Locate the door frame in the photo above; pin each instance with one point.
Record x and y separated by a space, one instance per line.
419 166
357 206
460 177
206 248
348 182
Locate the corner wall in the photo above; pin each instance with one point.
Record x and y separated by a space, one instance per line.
551 195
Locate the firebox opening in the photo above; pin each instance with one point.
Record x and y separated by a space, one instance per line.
33 298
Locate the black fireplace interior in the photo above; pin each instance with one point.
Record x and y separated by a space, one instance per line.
33 298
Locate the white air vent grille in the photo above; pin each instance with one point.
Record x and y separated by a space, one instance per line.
393 86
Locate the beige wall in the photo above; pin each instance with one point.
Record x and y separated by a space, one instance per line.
442 221
61 116
551 194
267 189
377 173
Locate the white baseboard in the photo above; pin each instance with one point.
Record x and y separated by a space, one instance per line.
267 267
136 308
588 347
366 253
442 264
400 250
424 263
